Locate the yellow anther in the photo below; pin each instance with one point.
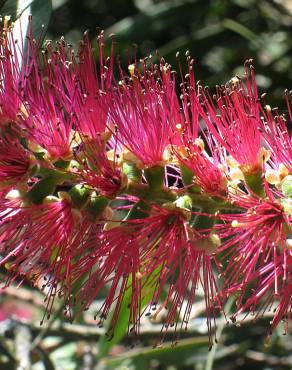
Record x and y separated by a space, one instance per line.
234 81
235 223
265 154
51 199
131 69
166 68
139 275
289 243
272 177
24 111
283 171
63 195
13 194
7 19
236 174
232 163
167 154
268 108
200 143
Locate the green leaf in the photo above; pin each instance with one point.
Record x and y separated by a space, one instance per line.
20 10
41 189
212 354
2 2
167 355
15 8
241 30
121 327
46 361
162 17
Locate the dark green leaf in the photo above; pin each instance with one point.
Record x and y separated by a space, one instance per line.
167 355
122 326
20 12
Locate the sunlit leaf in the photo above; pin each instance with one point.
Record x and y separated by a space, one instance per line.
21 10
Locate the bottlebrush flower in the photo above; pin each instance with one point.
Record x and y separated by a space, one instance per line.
142 110
278 141
253 238
147 256
12 76
47 125
207 170
93 85
180 258
15 163
96 170
233 117
40 246
190 149
273 290
43 243
114 260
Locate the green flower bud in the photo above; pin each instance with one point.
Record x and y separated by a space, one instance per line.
254 181
138 211
42 189
155 177
61 164
286 186
79 195
188 179
132 172
184 202
96 204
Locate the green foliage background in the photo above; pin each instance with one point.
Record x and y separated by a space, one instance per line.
220 34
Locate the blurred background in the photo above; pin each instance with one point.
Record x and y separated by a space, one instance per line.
220 35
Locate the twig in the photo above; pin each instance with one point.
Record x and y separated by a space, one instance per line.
22 342
221 325
30 296
45 330
268 359
6 352
87 360
48 364
92 333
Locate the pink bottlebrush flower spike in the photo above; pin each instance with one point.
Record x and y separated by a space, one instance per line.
142 111
12 76
47 124
149 255
278 139
97 171
93 86
15 163
253 238
234 120
273 291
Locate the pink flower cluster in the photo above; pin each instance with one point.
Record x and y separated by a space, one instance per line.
142 183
